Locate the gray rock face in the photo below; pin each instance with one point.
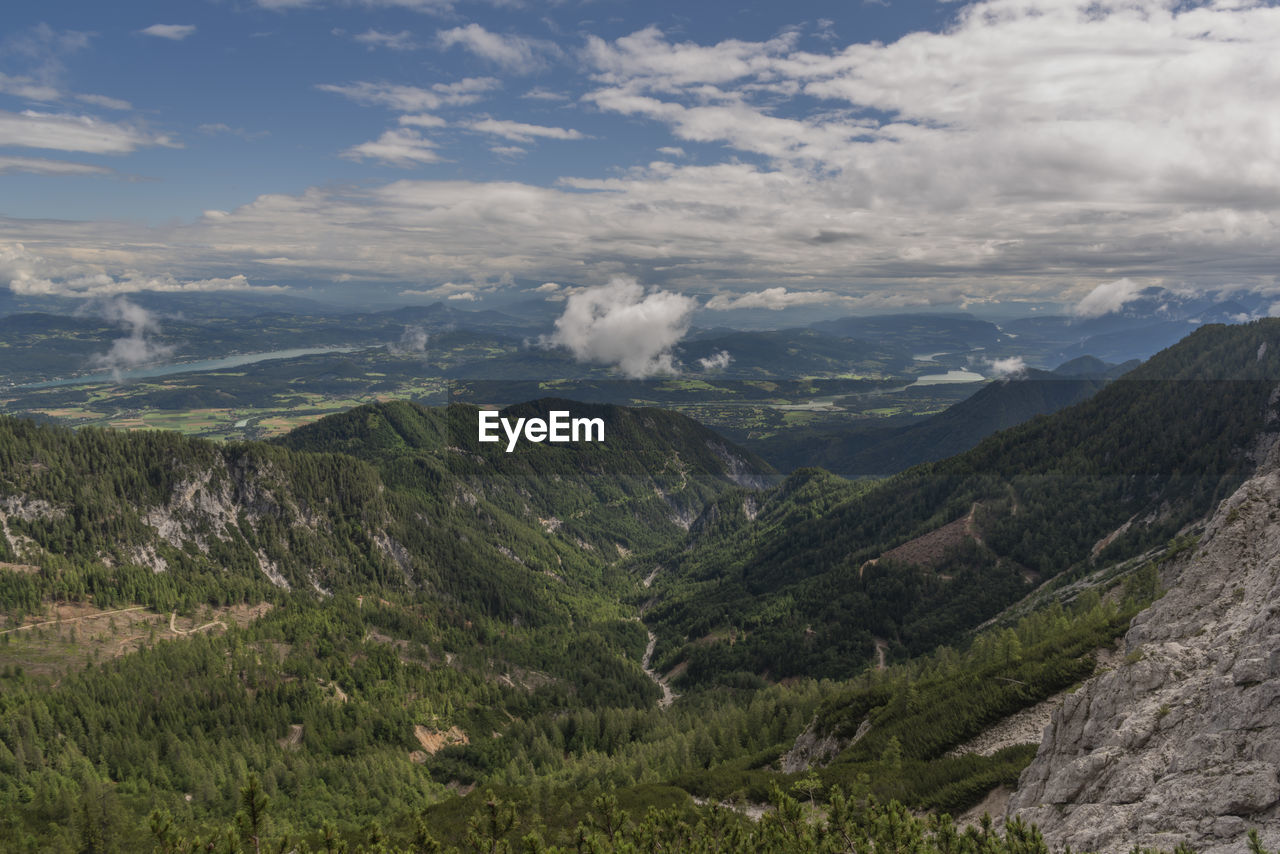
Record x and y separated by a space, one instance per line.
1182 741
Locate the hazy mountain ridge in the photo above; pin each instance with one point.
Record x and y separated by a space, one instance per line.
867 449
1134 463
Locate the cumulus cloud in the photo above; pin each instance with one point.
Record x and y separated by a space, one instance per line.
1007 369
1027 149
30 274
173 32
547 288
716 361
774 299
623 325
514 53
139 347
1108 297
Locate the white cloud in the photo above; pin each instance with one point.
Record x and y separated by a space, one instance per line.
539 93
173 32
105 102
672 151
413 340
212 128
1010 368
1030 149
547 288
411 99
1108 297
27 87
716 361
423 120
774 299
647 54
403 148
402 40
42 166
28 273
514 53
521 132
41 50
139 347
620 324
63 132
465 297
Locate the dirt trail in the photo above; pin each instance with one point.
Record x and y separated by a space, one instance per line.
96 616
668 696
882 646
177 631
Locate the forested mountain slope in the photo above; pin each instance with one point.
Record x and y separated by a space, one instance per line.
424 590
801 582
1179 742
867 450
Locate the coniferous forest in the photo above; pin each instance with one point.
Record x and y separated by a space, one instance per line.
378 634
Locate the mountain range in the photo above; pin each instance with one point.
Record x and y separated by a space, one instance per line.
390 630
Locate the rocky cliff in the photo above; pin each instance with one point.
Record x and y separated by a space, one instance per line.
1181 742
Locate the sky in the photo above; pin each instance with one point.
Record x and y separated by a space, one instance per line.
870 155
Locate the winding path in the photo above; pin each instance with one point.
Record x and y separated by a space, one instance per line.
668 696
177 631
66 620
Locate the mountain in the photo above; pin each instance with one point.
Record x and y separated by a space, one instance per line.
328 611
795 354
1178 743
1148 321
881 450
243 518
802 581
381 633
923 332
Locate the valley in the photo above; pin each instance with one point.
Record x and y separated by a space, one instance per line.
397 632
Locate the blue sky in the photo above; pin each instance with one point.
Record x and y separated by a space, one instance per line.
866 155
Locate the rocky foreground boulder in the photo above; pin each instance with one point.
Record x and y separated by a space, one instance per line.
1181 742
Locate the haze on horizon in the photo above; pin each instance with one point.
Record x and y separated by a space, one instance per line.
891 156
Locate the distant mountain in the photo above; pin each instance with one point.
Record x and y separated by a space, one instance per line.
440 316
872 449
793 353
806 578
922 332
1154 319
348 488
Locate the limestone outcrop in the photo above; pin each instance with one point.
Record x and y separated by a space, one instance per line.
1181 742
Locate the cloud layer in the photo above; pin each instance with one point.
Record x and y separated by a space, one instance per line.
1032 149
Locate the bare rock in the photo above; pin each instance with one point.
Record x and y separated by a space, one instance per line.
1181 743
